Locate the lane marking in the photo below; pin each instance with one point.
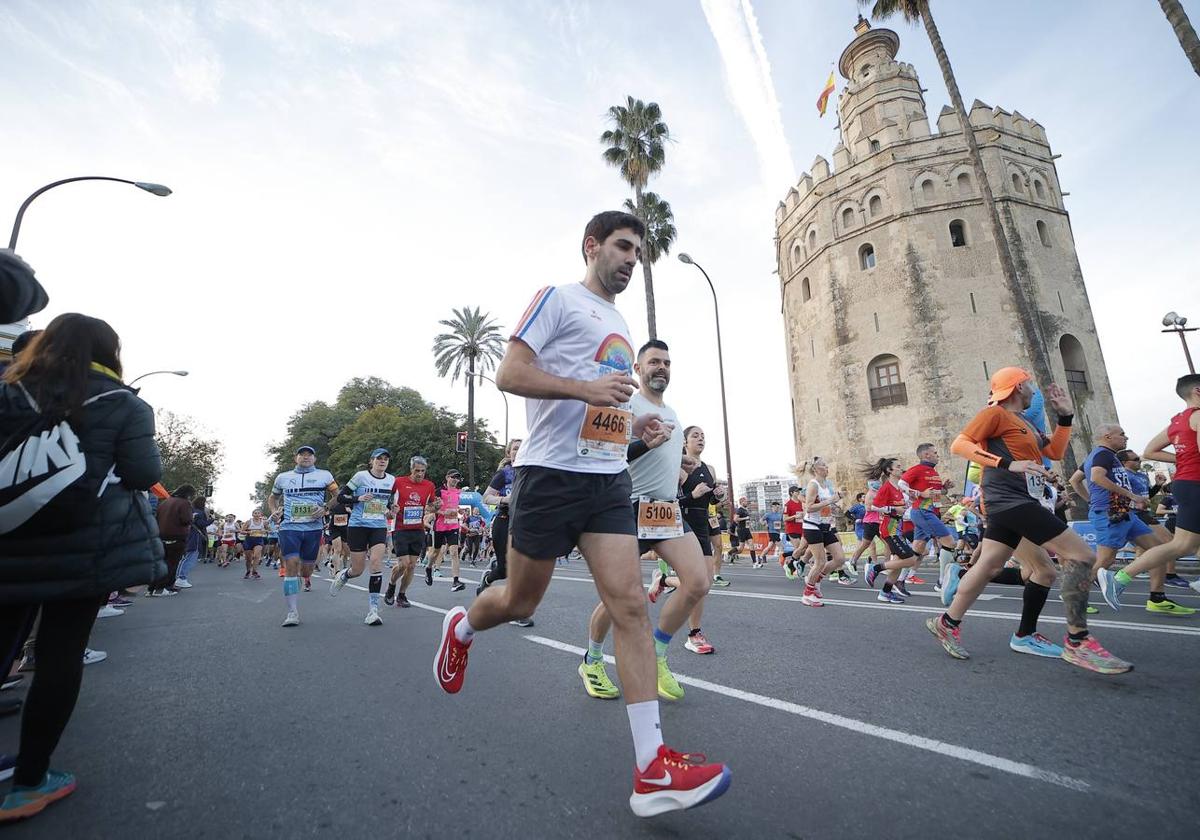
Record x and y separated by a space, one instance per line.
943 748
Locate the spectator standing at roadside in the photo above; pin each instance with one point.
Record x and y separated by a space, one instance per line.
67 562
197 535
174 516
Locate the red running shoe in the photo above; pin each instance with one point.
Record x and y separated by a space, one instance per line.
675 781
658 583
915 579
450 663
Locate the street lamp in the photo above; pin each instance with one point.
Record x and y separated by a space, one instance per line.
1176 323
493 381
732 494
153 189
154 372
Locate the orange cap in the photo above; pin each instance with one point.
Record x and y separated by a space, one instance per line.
1005 381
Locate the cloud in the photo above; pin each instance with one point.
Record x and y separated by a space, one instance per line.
751 90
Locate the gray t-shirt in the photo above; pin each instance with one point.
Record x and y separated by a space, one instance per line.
656 474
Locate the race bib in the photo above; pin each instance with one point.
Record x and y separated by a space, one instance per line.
659 520
375 508
1035 485
340 520
605 432
303 512
714 522
413 514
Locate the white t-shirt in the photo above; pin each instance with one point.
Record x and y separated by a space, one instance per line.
656 474
576 335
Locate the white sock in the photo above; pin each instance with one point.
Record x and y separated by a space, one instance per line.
647 732
904 573
463 631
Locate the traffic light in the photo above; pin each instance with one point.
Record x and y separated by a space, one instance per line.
208 490
461 444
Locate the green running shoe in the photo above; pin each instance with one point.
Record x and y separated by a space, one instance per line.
596 682
668 687
1168 607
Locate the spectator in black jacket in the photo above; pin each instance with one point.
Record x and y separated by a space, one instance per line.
69 574
21 294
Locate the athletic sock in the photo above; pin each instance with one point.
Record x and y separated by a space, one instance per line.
1033 600
1158 597
887 586
463 631
950 622
595 652
1009 576
695 631
646 730
291 588
878 567
1123 578
753 556
904 573
945 558
374 584
456 578
661 642
1076 639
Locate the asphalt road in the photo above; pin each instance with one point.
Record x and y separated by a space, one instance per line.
210 720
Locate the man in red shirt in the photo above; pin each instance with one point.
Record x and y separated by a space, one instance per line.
926 485
411 493
793 526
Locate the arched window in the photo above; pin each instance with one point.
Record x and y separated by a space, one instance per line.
927 189
964 183
1016 179
1074 363
812 240
797 256
865 71
958 233
884 383
805 290
875 206
1038 190
847 219
874 145
1043 233
866 257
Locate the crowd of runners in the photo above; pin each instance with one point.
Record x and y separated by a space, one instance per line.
611 471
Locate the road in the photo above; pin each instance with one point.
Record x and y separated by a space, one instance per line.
210 720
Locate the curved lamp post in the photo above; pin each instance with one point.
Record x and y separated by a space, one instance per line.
493 381
155 372
732 495
153 189
1176 323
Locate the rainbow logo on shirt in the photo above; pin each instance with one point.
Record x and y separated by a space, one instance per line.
616 353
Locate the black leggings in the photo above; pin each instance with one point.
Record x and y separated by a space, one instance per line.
499 567
61 639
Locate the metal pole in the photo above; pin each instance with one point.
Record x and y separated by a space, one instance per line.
1186 352
505 396
154 372
724 409
156 189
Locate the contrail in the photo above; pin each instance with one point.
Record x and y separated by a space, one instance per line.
751 91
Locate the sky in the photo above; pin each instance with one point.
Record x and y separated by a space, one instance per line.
345 174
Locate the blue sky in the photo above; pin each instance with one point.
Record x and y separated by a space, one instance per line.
345 173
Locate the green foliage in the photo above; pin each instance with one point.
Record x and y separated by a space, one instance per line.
635 143
187 457
656 213
882 9
474 343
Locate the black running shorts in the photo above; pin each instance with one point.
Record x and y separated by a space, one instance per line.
362 539
870 531
1187 498
408 543
445 538
697 519
1028 521
899 546
336 532
550 509
819 534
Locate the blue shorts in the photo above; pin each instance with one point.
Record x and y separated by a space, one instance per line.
302 544
252 542
1116 534
927 525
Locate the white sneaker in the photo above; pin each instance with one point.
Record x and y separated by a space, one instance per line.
339 580
91 657
182 584
1195 584
108 611
372 619
293 618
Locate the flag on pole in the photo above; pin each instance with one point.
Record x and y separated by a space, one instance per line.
823 99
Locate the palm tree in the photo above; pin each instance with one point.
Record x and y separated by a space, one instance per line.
634 145
1027 314
475 343
1178 19
660 226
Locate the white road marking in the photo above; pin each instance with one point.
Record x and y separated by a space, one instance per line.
993 762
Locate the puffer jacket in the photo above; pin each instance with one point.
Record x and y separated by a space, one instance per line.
120 547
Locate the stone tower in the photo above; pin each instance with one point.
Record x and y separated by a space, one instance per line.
895 308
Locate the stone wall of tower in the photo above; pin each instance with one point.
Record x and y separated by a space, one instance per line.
943 311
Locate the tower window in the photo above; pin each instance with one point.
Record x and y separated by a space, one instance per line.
964 183
874 145
1043 233
1038 190
875 206
847 218
1074 363
958 233
866 257
805 290
884 384
1016 179
797 257
812 240
927 189
974 311
865 71
876 314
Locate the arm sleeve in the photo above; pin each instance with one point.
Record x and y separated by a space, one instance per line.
636 450
971 443
137 459
540 320
1056 447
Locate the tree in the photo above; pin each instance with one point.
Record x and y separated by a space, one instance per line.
187 457
635 146
475 343
1028 318
1178 19
660 226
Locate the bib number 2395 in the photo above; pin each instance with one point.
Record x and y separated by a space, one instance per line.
605 432
659 520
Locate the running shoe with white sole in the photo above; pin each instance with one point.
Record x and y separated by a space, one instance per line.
450 661
889 598
1110 587
521 622
658 582
91 657
719 581
811 597
182 584
25 802
870 575
402 600
902 588
948 636
1090 655
339 580
950 583
676 781
457 586
1036 644
429 576
916 581
596 682
697 643
293 618
8 764
372 619
1176 581
1195 585
668 687
1168 607
109 611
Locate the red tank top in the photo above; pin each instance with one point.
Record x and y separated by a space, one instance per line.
1184 440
